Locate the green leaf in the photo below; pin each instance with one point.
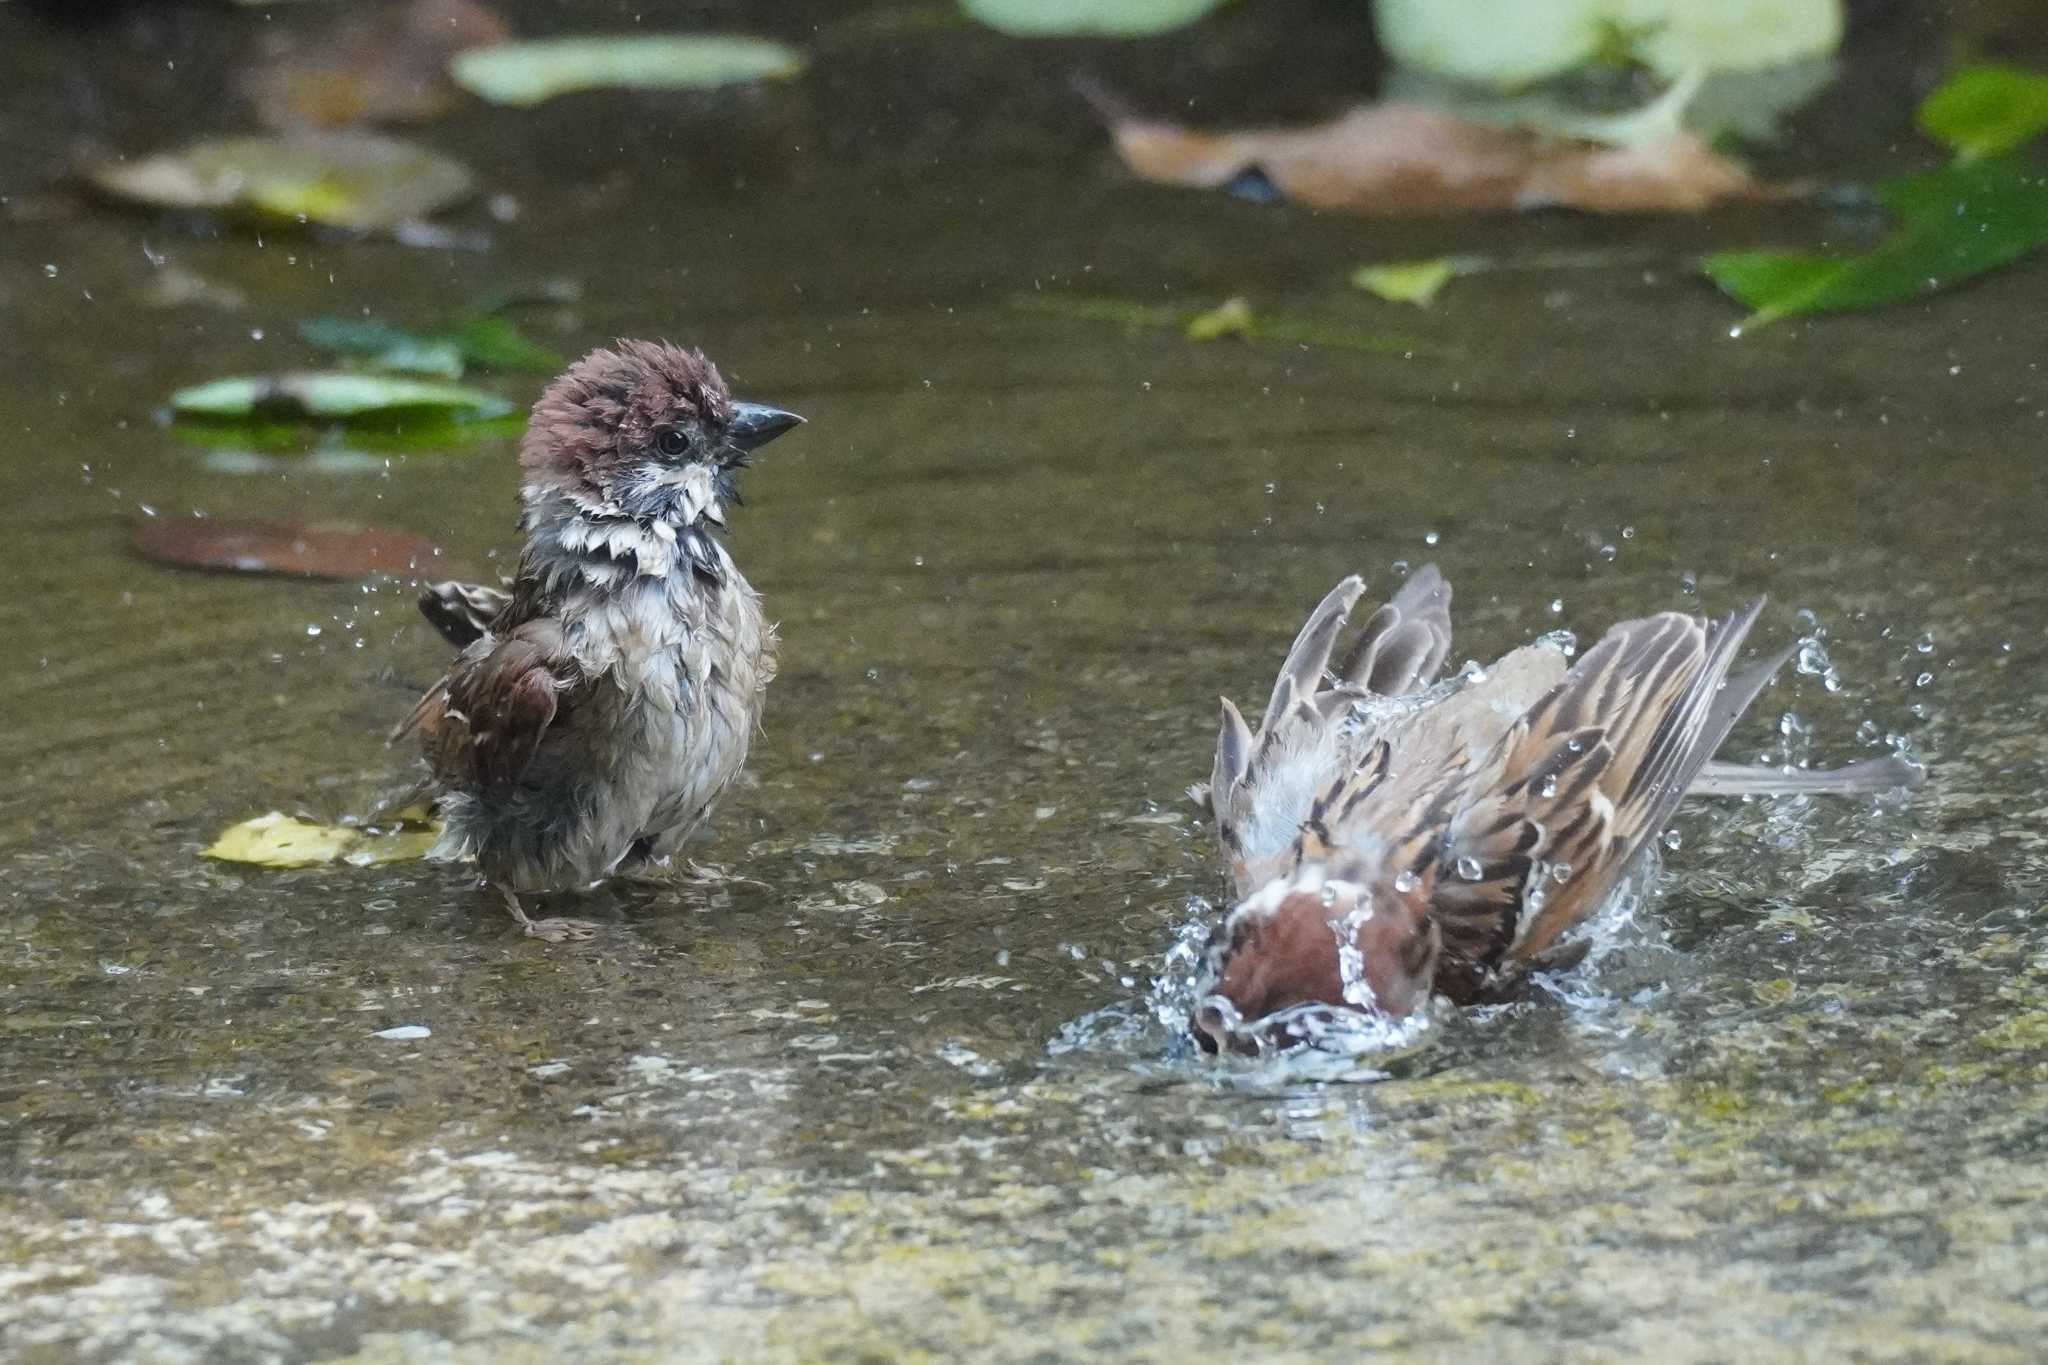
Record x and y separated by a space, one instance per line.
385 346
487 340
529 72
333 393
1086 18
1955 223
494 342
1984 110
353 180
1230 318
1415 282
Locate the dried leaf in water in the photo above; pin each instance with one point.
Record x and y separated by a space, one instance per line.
1086 18
280 840
378 63
1984 110
333 393
526 73
1398 160
282 547
351 180
1415 282
1954 224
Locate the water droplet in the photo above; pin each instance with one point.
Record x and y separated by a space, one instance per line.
1329 894
1925 644
1548 789
1609 553
51 271
1557 606
1628 533
1430 537
1672 839
1923 680
1469 869
1688 583
874 675
918 560
312 630
1560 873
1406 882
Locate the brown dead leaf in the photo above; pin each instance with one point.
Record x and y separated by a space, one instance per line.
1403 160
381 63
283 548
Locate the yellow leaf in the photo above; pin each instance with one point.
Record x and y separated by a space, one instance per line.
1415 282
1230 318
279 840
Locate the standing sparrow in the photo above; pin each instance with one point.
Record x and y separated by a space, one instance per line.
1388 838
605 695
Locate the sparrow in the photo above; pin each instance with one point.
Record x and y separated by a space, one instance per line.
605 694
1389 837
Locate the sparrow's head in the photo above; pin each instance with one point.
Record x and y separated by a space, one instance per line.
646 430
1335 937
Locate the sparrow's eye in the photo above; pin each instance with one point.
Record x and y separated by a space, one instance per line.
673 443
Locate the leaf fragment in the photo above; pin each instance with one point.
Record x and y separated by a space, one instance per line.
527 73
283 841
1415 282
333 393
1984 110
282 547
352 180
1086 18
1406 160
1954 224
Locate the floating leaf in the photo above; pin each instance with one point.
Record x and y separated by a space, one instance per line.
1230 318
1984 110
1086 18
373 63
1511 45
333 393
495 343
1415 282
1394 160
1954 223
525 73
1233 317
486 340
280 840
352 180
385 346
282 547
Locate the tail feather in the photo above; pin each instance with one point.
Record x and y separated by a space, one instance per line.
1889 773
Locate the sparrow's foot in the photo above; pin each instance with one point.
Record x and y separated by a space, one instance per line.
547 930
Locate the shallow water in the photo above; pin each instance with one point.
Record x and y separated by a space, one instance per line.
891 1085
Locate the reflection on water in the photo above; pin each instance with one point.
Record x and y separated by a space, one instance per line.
904 1072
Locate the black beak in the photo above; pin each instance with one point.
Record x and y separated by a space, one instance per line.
756 424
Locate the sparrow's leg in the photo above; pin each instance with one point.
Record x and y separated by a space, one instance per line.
547 930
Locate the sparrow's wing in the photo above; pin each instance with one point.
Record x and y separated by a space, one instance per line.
1580 783
464 612
482 724
1263 782
1403 645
